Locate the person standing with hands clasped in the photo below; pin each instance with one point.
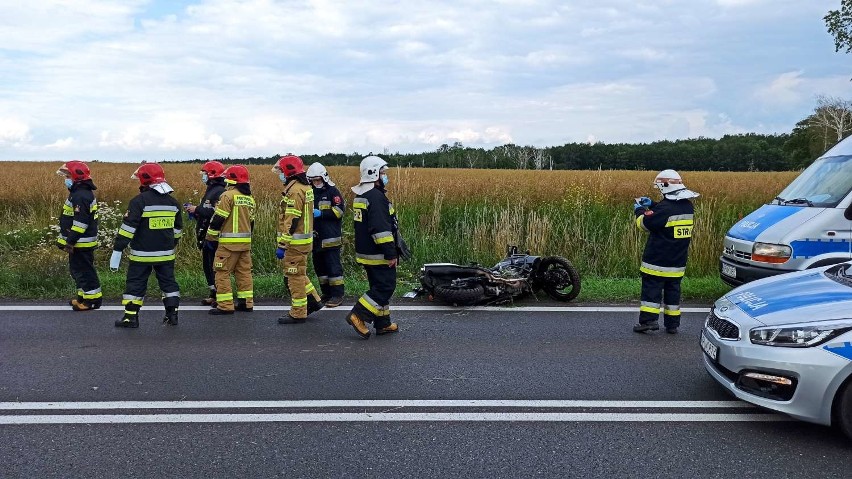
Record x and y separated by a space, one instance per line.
231 230
78 234
152 228
328 238
669 226
211 176
376 248
295 238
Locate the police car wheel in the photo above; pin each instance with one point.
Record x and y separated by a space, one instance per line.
558 278
460 295
843 410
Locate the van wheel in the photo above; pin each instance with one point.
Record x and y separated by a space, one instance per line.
843 410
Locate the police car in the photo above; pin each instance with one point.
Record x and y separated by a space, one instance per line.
785 343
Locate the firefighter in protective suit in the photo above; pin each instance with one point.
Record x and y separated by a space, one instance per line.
375 248
295 238
231 227
211 176
669 226
328 235
152 227
78 234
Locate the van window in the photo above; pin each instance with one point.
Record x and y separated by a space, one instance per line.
823 184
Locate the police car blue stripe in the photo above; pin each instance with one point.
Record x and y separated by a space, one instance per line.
784 294
760 220
808 248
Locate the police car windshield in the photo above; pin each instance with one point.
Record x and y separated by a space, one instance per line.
823 184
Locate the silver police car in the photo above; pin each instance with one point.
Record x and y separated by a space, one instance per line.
785 343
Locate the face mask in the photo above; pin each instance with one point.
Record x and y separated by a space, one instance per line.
204 178
317 183
69 183
385 179
282 177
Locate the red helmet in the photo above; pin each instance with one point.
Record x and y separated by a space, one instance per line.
214 169
149 174
76 170
236 174
290 165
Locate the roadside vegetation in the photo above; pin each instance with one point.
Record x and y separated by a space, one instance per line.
446 215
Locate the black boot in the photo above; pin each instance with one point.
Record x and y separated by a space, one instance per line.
210 301
287 319
171 317
644 327
128 321
313 305
241 306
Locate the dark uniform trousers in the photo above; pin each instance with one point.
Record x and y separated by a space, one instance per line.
137 285
81 264
329 272
660 291
374 305
207 258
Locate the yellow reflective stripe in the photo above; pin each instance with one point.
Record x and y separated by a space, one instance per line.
293 211
363 302
212 232
664 274
359 205
372 262
302 241
78 229
640 224
337 212
151 259
669 312
221 213
85 244
222 297
126 234
92 296
158 214
680 223
234 240
309 288
245 294
299 302
386 239
648 309
61 241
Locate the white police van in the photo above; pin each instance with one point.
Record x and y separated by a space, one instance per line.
807 225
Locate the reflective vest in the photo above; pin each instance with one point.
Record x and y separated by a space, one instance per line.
669 226
151 227
295 219
233 220
78 223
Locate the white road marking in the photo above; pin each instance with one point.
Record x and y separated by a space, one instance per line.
390 417
279 308
428 403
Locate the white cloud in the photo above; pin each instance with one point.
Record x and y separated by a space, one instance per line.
62 144
13 132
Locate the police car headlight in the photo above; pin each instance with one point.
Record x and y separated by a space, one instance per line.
798 336
771 253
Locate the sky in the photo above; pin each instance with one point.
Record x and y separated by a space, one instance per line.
171 80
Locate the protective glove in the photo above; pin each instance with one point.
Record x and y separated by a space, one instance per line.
279 253
210 245
402 248
115 261
645 201
68 249
317 213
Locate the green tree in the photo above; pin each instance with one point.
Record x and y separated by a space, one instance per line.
839 24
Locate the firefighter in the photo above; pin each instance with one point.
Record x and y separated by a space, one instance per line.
231 227
328 220
78 234
669 226
375 248
151 227
295 238
211 175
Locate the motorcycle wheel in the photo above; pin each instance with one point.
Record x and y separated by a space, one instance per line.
466 296
558 278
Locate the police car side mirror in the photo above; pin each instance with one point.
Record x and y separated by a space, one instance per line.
848 212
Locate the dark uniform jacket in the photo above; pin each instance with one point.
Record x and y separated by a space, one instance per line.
78 224
669 224
204 211
329 226
375 228
152 227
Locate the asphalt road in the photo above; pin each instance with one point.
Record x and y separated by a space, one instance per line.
457 393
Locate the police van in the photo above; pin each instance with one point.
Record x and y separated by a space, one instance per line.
807 225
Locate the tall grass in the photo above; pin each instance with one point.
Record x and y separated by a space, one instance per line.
445 215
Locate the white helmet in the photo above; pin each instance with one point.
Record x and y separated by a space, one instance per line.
317 170
370 168
671 186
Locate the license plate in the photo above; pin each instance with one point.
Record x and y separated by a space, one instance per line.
728 270
709 348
